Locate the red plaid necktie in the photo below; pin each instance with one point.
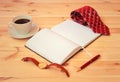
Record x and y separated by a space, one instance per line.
88 16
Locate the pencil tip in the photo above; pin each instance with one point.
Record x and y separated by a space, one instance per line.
79 70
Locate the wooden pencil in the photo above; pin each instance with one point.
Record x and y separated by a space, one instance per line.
89 62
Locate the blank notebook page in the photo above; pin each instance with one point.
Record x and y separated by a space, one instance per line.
79 34
52 46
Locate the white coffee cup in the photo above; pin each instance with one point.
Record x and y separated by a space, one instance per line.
22 24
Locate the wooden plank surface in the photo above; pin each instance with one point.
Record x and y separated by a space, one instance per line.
47 13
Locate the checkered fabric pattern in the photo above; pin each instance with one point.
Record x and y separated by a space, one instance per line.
88 16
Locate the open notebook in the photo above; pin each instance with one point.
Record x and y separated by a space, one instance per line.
62 41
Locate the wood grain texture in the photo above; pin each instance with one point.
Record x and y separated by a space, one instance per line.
47 13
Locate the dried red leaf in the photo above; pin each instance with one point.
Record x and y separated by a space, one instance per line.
31 59
59 66
43 65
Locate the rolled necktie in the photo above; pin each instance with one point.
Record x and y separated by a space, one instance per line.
88 16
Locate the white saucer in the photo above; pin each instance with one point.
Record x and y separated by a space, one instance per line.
13 33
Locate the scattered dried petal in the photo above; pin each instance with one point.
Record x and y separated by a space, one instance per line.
13 55
31 59
59 66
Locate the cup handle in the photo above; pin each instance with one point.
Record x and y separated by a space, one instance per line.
10 26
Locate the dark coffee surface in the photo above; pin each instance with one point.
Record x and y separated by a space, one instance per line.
22 21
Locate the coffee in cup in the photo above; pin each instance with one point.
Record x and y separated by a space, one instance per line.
22 21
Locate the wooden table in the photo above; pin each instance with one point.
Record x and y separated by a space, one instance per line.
47 13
